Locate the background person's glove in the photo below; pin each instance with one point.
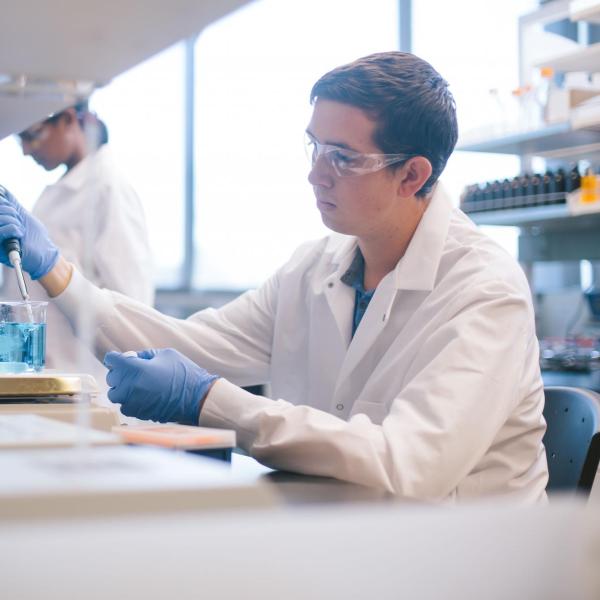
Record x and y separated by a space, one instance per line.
38 253
159 385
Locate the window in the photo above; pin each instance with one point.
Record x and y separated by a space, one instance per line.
144 111
255 70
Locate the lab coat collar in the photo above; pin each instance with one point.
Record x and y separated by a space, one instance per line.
341 249
339 254
80 174
417 269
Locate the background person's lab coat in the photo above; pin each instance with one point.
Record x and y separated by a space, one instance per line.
91 204
437 396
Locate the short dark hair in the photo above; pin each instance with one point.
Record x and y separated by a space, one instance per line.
84 117
414 109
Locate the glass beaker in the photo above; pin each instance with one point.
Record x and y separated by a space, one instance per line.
22 336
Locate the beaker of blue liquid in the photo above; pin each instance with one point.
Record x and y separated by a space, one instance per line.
22 336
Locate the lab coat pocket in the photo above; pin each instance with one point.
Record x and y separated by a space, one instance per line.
376 411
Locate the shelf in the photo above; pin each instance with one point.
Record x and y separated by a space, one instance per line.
585 10
586 59
88 41
537 142
18 112
97 40
553 216
586 116
520 216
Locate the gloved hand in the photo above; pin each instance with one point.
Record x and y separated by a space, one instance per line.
38 253
161 385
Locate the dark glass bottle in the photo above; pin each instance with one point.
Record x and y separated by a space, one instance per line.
467 200
497 195
560 180
560 184
515 186
523 190
534 189
488 202
478 194
548 183
573 180
507 201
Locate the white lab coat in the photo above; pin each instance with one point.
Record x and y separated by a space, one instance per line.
91 198
438 395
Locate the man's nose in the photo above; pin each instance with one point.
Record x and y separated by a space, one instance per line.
320 173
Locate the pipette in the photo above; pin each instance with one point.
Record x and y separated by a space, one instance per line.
12 247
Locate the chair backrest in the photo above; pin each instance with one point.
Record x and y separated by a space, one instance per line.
572 439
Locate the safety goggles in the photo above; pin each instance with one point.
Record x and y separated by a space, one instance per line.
348 163
37 132
34 134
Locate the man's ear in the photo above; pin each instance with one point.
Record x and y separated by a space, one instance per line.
413 175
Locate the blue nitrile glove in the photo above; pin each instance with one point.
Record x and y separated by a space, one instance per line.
38 253
160 385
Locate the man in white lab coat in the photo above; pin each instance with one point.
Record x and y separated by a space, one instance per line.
96 219
400 350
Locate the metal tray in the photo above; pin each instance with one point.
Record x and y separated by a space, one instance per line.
37 385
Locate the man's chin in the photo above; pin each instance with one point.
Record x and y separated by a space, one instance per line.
334 226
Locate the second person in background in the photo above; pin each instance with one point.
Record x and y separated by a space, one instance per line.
94 216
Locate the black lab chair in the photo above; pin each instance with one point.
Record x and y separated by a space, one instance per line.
572 439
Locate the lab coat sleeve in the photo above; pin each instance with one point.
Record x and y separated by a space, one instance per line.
234 341
122 256
465 384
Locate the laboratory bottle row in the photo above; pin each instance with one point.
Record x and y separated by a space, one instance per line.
575 353
522 191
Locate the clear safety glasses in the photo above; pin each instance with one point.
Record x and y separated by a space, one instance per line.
348 163
34 134
39 131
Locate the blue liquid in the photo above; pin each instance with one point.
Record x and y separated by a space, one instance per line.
22 347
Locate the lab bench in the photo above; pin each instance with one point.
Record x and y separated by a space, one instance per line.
293 489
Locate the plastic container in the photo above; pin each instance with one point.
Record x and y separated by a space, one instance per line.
590 187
